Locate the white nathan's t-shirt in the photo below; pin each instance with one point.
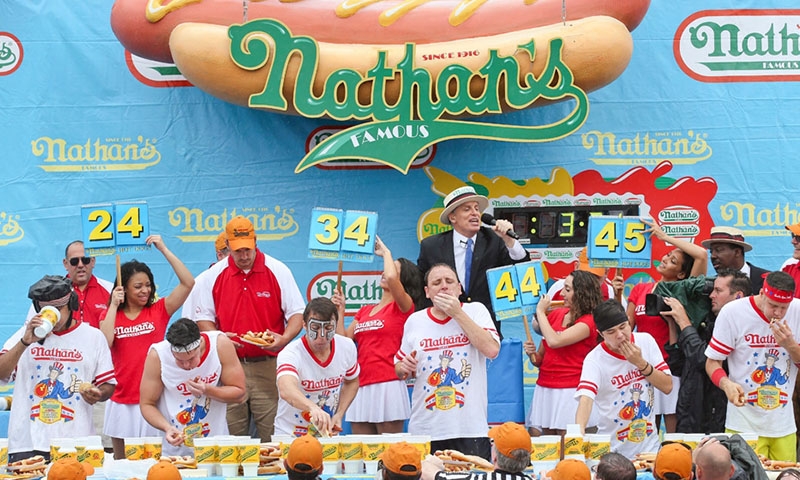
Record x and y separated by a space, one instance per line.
450 394
623 397
320 382
47 403
756 362
194 416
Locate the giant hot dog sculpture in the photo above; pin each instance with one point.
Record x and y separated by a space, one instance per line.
596 45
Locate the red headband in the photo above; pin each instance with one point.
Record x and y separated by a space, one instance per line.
780 296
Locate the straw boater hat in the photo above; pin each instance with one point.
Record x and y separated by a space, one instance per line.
458 197
726 235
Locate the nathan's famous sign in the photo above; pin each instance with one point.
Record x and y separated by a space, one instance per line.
410 69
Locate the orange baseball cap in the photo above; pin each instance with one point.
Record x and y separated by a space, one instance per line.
510 436
240 233
673 458
164 470
305 454
402 458
583 264
220 244
66 469
570 469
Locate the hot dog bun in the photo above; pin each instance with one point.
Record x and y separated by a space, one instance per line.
144 26
596 49
264 339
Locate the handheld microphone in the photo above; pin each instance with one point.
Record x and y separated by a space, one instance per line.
489 220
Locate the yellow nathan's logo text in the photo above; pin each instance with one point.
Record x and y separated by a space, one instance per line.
59 155
649 148
10 230
761 221
197 225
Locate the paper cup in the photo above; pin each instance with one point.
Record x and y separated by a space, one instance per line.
330 449
134 448
372 447
597 445
330 467
230 469
3 451
152 447
50 316
421 443
228 453
370 467
250 469
674 437
249 451
205 453
350 447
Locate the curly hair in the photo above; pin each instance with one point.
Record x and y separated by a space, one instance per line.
586 293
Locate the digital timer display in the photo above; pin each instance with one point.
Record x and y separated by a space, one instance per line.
558 226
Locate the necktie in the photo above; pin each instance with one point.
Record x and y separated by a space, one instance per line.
467 264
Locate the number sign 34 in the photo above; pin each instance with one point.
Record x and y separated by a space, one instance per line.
342 235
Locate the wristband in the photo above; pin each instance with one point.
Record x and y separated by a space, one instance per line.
645 368
23 342
652 369
717 376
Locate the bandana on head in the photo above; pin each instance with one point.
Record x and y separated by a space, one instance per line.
776 294
186 348
58 302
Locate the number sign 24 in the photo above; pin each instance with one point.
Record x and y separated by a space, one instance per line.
115 225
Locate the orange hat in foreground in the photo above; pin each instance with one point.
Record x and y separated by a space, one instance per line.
402 458
240 233
570 469
673 458
163 470
510 436
66 469
305 454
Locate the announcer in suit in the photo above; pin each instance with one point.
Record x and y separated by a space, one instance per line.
488 247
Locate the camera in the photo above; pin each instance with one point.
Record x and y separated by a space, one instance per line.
654 304
708 286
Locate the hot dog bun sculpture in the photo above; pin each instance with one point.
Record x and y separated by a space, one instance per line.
350 34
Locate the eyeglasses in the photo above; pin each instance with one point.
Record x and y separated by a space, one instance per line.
84 260
795 238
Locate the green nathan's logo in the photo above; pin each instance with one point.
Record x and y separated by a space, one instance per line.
398 130
740 45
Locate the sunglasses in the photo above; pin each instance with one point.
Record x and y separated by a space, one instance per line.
796 238
84 260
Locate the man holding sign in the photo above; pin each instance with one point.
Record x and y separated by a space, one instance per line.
250 292
469 248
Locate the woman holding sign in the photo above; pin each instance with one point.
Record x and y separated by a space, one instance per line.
133 322
569 334
382 404
684 261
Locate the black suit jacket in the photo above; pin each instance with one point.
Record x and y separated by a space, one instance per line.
489 252
756 280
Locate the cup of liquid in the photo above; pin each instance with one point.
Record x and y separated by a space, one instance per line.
50 316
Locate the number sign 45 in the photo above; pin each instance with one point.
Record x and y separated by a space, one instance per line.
618 242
